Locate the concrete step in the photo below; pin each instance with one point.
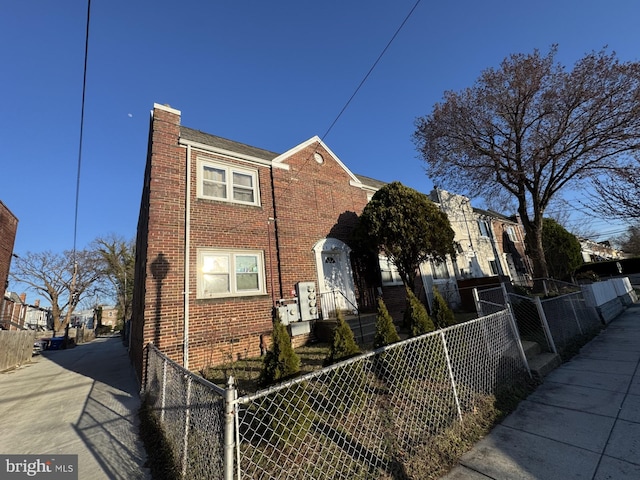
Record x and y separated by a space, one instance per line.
531 349
544 363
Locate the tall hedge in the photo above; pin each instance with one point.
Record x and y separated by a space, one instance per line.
442 315
281 361
385 329
343 343
417 317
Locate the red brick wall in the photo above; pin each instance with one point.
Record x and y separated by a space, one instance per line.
8 229
313 201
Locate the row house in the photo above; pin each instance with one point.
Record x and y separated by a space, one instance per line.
17 314
598 251
229 234
8 230
489 246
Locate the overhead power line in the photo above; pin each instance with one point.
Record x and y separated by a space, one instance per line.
384 50
84 89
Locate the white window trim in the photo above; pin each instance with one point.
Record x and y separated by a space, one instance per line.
485 224
386 265
435 274
233 288
230 170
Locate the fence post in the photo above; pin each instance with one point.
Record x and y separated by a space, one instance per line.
516 334
187 422
575 314
476 299
229 416
451 377
545 325
164 389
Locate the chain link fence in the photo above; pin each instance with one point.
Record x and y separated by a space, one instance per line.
570 320
555 324
353 420
356 419
191 412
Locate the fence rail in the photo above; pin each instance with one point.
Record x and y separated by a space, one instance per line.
351 420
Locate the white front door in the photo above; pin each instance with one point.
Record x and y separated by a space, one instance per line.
335 277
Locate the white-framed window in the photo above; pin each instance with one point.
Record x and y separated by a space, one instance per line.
439 270
227 183
389 272
511 233
230 273
484 227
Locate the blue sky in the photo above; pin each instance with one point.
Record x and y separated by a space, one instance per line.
269 74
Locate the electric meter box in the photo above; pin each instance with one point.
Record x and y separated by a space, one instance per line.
288 311
307 300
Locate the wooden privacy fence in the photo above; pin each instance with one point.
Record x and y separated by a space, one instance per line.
16 348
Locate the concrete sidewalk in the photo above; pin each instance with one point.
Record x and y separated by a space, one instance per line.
82 401
583 422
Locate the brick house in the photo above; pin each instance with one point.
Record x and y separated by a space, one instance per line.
227 230
8 230
229 233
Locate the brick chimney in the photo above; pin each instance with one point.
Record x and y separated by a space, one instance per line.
23 297
36 303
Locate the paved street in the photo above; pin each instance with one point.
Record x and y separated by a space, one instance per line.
82 401
583 422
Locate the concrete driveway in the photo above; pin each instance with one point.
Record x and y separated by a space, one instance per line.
81 401
583 422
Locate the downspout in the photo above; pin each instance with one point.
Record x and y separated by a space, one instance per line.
276 236
187 251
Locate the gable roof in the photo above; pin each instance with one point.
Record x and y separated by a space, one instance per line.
231 146
315 139
225 144
371 182
491 213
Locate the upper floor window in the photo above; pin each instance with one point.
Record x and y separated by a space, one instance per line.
389 271
484 228
511 233
227 183
227 273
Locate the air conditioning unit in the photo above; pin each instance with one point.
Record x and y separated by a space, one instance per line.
289 311
307 300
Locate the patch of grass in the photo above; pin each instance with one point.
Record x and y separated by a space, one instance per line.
442 452
159 454
461 317
246 371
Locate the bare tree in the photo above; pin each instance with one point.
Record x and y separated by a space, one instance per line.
617 194
630 241
530 129
117 259
63 279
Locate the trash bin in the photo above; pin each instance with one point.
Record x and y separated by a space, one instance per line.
56 343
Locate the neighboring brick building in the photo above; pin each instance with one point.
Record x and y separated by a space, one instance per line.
226 230
8 230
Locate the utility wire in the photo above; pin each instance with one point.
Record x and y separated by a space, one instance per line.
371 69
84 89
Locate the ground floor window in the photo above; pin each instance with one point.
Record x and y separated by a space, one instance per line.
389 272
226 273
